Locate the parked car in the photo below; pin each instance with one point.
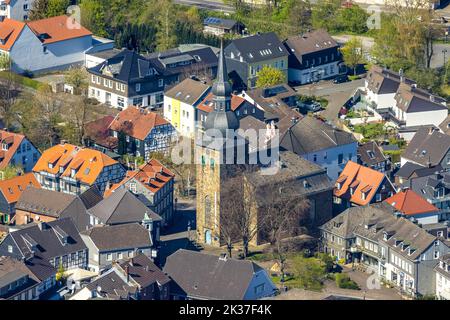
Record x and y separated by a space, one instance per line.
310 106
341 79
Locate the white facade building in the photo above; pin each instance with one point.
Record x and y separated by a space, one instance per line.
15 9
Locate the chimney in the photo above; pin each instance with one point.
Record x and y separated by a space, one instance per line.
42 225
63 142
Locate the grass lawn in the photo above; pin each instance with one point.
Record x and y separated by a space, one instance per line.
24 81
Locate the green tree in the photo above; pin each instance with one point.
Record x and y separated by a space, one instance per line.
78 79
165 37
269 76
353 53
10 172
56 8
93 16
310 272
325 13
5 62
38 10
61 273
353 19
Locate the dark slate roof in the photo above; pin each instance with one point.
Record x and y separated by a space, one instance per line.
380 218
425 186
445 125
411 99
370 153
427 149
41 268
407 170
206 276
126 66
119 237
49 244
44 202
91 197
204 57
112 285
219 22
384 81
122 207
310 135
259 47
12 270
142 270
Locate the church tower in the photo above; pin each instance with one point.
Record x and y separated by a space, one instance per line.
211 169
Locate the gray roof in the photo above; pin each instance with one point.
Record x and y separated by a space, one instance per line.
310 42
259 47
142 270
373 221
112 285
425 186
293 172
122 207
44 202
91 197
411 99
49 243
206 276
445 125
310 135
188 91
427 148
370 153
384 81
119 237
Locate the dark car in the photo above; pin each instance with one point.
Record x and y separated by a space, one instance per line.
341 79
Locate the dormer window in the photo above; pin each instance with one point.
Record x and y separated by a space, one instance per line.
50 165
5 146
138 87
73 172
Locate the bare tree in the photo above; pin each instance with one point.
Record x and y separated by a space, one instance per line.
282 210
9 91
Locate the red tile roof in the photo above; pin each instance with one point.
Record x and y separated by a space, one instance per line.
13 140
89 163
54 29
13 188
207 104
369 181
136 122
98 131
9 32
58 29
410 203
152 175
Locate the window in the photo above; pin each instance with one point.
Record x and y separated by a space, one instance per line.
259 289
44 49
109 257
315 158
10 249
133 187
160 83
120 102
340 158
120 255
138 87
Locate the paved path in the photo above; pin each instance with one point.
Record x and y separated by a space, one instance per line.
336 94
332 292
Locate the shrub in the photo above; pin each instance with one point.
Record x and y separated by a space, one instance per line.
343 281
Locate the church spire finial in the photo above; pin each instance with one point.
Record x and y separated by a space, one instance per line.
221 87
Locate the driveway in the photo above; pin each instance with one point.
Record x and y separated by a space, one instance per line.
336 94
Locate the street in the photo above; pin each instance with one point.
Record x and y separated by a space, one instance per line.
216 5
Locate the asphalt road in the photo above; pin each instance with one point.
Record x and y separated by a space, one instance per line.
216 5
